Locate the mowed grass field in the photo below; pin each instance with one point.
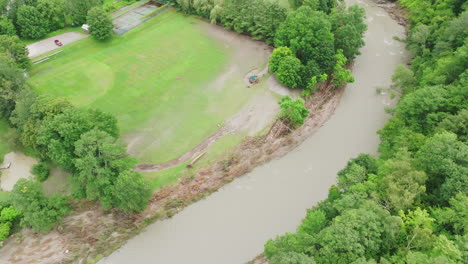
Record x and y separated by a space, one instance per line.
156 79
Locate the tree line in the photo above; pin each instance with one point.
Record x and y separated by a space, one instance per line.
409 204
34 19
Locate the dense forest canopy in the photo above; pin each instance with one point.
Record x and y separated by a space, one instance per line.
410 204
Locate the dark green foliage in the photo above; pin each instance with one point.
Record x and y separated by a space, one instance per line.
257 18
277 56
39 212
53 12
131 193
410 204
41 170
444 158
13 47
293 112
291 258
348 27
11 83
103 173
32 24
30 112
100 24
7 27
58 134
308 34
289 72
79 9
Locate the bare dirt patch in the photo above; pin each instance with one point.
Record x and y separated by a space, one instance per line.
20 168
47 45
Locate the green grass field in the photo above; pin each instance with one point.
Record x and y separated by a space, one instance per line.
155 79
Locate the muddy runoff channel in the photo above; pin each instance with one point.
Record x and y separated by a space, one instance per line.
232 225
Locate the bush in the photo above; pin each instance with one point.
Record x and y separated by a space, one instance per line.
290 71
293 112
100 24
41 171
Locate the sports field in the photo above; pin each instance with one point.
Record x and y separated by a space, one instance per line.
169 83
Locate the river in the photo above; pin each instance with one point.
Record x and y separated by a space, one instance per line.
233 224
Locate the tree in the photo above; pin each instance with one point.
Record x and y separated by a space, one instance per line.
58 135
292 258
277 57
31 23
41 171
341 76
30 112
400 184
419 110
7 27
444 158
308 34
99 160
78 9
366 231
39 212
289 72
103 173
457 124
131 193
13 47
403 78
11 83
417 228
348 27
454 218
314 221
293 112
100 24
53 12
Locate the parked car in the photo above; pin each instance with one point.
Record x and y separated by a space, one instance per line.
58 43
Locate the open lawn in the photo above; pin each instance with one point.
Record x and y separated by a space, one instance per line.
168 81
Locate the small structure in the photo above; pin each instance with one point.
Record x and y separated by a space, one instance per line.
85 28
253 79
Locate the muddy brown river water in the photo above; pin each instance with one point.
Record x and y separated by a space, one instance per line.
233 224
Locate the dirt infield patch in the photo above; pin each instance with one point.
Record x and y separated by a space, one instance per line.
47 45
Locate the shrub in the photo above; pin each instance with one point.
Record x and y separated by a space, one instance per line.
293 112
41 171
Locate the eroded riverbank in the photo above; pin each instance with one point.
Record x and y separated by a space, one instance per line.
231 225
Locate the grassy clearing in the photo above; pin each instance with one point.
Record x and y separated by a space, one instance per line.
153 80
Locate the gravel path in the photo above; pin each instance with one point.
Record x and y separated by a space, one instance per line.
46 45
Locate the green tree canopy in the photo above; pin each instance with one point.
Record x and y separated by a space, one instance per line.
293 112
39 212
32 24
13 47
100 24
308 34
59 134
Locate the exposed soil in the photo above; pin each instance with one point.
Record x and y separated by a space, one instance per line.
20 168
395 10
